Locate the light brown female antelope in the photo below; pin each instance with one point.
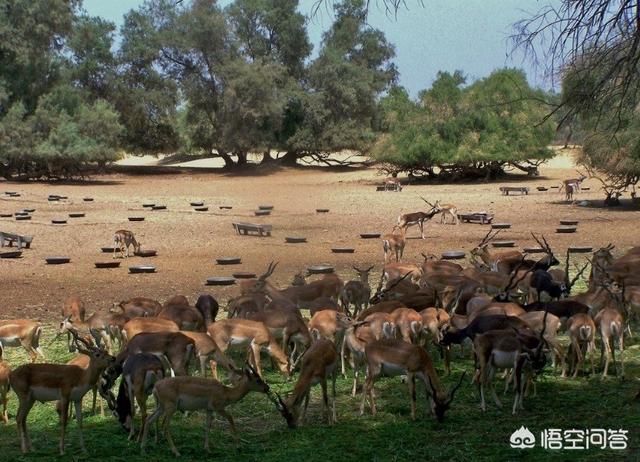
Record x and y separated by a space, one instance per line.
582 330
122 240
610 324
22 332
394 242
356 293
53 382
447 210
319 363
5 370
395 357
196 393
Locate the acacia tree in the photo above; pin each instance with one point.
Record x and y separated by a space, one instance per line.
462 132
594 47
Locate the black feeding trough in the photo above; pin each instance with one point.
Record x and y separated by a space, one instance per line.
107 264
220 281
142 269
16 254
59 221
196 204
566 229
500 225
265 207
580 249
87 199
76 215
343 250
295 240
148 205
260 213
6 215
453 255
159 207
244 275
569 222
136 218
534 250
229 261
322 210
201 209
23 217
542 188
226 207
110 249
146 253
320 269
370 235
57 260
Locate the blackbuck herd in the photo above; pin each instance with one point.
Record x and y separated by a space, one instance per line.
510 307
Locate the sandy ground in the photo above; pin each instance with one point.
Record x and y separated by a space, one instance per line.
188 242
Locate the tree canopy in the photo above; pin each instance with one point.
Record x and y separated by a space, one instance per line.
462 131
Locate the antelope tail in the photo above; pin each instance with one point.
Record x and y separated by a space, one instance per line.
585 332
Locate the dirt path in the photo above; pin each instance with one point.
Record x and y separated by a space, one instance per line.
188 242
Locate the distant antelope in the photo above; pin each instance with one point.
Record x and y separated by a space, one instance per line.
575 183
122 239
394 242
568 192
392 184
356 293
447 210
417 218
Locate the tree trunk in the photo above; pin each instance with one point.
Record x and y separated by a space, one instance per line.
242 158
290 158
228 161
266 157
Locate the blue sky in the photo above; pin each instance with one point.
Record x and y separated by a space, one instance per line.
471 35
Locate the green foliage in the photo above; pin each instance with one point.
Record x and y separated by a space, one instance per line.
471 130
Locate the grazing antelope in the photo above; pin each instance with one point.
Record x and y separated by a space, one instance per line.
394 242
408 323
206 349
329 324
356 293
381 325
173 348
138 307
355 340
140 372
95 327
286 326
319 363
137 325
610 324
582 330
535 320
239 333
196 393
392 184
53 382
208 308
123 239
417 218
185 316
447 210
74 308
5 371
22 332
391 357
504 349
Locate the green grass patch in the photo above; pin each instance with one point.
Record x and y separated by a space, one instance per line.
466 434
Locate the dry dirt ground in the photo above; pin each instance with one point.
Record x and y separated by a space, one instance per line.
188 242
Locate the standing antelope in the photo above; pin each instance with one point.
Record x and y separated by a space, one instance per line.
356 293
447 210
568 192
610 324
5 371
408 323
574 183
417 218
196 393
504 262
53 382
396 357
140 372
122 239
319 362
394 242
22 332
241 333
582 330
329 324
